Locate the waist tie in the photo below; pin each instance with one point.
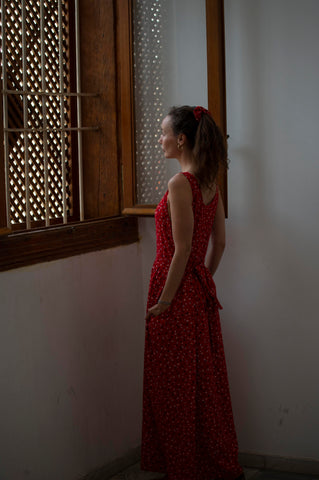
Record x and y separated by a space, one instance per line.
207 282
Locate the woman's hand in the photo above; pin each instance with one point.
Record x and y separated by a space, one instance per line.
156 310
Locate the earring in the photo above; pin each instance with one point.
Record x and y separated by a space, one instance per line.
179 146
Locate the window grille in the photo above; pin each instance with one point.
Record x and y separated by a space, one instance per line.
41 115
150 58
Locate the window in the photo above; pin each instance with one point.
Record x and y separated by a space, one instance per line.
148 178
60 178
76 197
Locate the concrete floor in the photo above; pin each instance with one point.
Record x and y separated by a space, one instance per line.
134 473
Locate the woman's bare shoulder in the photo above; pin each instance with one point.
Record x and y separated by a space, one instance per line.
179 187
177 179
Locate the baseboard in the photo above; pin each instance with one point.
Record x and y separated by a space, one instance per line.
284 464
112 468
246 459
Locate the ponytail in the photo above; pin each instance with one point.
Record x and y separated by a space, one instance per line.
204 138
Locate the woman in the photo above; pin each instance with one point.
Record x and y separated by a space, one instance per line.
188 430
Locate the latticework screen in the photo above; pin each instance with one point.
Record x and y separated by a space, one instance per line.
149 27
35 74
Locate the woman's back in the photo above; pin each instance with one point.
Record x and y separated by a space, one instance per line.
204 209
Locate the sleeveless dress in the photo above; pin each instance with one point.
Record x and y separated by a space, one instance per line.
188 430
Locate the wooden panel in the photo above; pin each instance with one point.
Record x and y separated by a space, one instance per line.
216 74
98 70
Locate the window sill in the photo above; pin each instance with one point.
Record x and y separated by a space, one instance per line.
140 210
43 245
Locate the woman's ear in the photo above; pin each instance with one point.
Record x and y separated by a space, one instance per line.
181 139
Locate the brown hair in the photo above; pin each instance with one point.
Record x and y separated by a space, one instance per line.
204 138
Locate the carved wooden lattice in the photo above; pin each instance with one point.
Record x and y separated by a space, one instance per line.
36 60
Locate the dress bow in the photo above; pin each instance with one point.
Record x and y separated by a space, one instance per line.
207 282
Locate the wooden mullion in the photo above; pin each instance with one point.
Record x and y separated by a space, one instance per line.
216 79
73 115
126 127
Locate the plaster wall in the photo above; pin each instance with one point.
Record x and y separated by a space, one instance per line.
71 357
267 281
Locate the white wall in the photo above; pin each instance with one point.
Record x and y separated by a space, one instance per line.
267 281
72 331
71 358
269 278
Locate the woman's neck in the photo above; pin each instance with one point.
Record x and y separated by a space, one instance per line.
186 161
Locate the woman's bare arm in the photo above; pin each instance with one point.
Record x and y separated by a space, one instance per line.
181 211
218 238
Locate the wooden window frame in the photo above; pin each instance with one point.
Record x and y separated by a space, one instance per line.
216 99
104 226
216 76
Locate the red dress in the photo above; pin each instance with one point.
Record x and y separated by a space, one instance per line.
188 429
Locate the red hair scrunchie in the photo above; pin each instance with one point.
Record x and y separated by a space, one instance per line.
198 112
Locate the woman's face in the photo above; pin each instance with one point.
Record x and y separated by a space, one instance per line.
168 140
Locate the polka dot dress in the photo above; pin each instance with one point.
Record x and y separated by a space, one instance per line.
188 429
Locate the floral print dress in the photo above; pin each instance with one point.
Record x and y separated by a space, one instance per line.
188 429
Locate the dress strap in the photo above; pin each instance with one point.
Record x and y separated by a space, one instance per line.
196 187
192 180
